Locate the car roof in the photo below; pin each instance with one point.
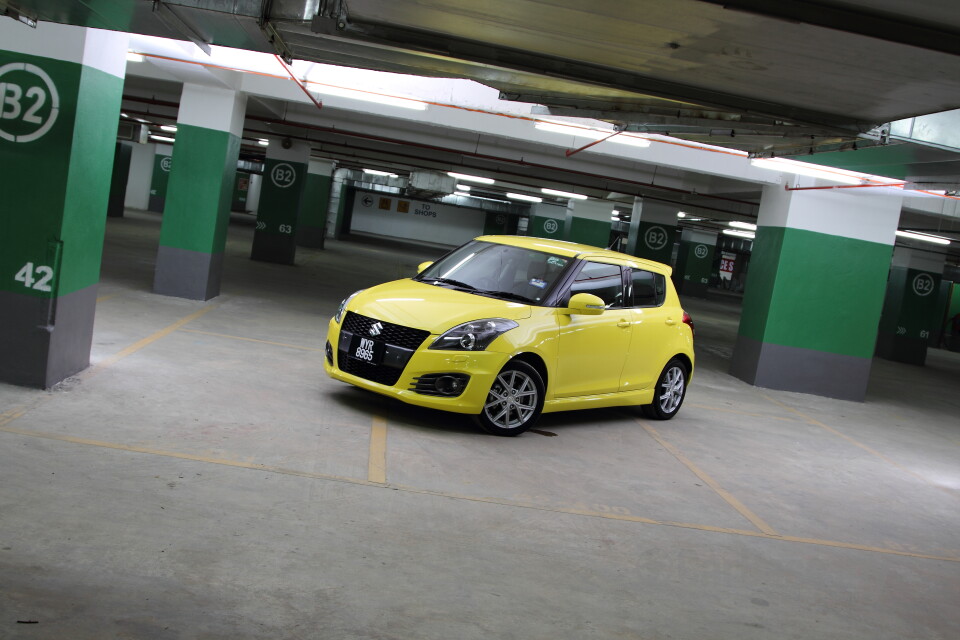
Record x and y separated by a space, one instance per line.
576 250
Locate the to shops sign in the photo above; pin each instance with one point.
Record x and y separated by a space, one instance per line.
29 102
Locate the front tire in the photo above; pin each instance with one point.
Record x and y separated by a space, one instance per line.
514 402
669 393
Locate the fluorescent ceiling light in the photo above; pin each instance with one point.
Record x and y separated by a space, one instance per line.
123 115
375 172
134 57
169 127
264 142
523 196
923 236
742 225
594 134
462 193
366 96
681 214
161 138
462 187
469 178
142 120
806 169
564 194
740 233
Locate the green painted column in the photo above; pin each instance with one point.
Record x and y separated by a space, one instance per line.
692 273
547 221
162 163
312 223
653 230
118 179
909 316
284 182
588 222
817 281
498 223
199 194
60 90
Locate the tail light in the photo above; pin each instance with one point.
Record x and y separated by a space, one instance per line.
688 320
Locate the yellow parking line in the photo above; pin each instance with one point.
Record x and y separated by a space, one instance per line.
855 443
377 462
741 413
231 337
137 346
479 499
710 482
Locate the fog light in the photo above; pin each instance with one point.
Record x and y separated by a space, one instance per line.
449 386
329 353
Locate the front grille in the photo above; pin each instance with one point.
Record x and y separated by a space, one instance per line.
372 372
394 334
401 343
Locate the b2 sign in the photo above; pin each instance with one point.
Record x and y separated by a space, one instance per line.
29 102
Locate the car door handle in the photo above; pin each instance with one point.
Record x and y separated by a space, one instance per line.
623 323
670 321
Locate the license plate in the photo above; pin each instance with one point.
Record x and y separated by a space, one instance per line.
366 349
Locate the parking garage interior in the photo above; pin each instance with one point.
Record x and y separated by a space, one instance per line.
202 477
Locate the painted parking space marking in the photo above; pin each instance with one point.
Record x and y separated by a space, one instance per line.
612 514
270 342
743 413
728 497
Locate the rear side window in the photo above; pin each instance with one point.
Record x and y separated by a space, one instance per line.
603 280
649 289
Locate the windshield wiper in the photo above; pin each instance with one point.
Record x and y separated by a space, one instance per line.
510 295
452 282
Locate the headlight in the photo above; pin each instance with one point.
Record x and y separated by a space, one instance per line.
473 336
343 305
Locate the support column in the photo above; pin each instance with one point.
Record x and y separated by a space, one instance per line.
653 230
284 179
909 316
312 223
197 210
691 276
60 90
588 222
118 181
815 290
162 163
547 221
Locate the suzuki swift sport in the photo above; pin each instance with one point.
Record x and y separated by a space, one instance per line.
505 328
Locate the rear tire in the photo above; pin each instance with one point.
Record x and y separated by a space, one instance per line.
669 393
514 402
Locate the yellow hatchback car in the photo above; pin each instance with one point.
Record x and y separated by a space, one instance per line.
507 327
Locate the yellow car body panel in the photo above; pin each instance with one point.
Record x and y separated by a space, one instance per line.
587 361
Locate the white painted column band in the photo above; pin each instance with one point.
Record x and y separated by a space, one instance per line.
212 108
95 48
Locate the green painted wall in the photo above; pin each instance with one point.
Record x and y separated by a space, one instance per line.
655 241
280 196
588 231
546 227
56 186
316 200
195 216
815 291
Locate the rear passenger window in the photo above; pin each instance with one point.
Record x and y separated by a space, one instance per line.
649 289
603 280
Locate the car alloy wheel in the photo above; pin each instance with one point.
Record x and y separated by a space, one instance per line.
669 392
514 402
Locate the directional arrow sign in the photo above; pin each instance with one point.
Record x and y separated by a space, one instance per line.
261 225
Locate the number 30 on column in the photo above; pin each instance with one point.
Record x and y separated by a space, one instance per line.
37 278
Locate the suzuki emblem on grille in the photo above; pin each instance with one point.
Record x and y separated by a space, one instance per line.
376 329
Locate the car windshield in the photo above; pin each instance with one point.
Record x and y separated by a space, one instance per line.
497 270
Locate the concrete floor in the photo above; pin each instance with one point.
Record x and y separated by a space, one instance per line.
204 479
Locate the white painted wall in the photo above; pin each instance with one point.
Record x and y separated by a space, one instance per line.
424 221
140 176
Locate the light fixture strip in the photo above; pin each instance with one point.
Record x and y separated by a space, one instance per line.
742 225
523 196
468 178
913 235
563 194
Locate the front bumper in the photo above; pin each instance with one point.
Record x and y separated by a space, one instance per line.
481 366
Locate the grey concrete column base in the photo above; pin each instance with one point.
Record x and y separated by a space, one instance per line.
311 237
182 273
775 366
902 349
269 247
44 340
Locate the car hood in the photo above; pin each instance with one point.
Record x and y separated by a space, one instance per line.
430 307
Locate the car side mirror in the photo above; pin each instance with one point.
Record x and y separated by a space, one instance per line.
422 266
584 304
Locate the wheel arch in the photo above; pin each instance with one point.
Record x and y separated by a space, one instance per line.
687 363
536 362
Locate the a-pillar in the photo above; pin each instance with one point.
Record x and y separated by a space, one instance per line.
653 230
691 276
312 224
197 209
284 180
910 309
60 91
588 222
818 275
